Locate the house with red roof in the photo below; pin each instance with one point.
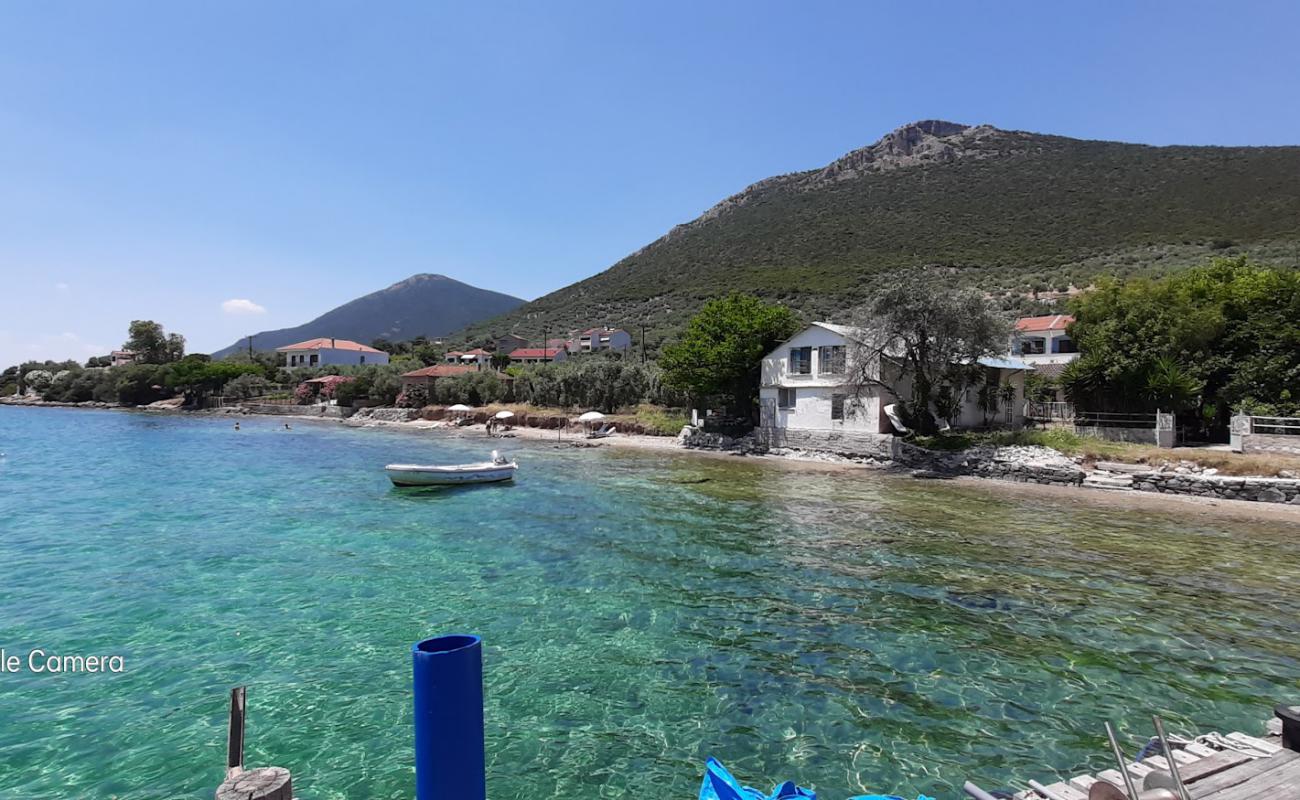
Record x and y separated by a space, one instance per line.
478 356
1044 342
324 351
428 376
538 355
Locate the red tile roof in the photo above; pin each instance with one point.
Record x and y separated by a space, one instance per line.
440 371
1053 322
326 343
331 380
535 352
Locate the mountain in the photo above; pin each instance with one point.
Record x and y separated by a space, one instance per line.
1024 216
421 305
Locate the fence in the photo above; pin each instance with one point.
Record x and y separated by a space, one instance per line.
1157 429
1049 412
1251 434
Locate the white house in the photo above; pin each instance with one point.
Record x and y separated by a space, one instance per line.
594 339
1043 340
324 352
805 386
477 357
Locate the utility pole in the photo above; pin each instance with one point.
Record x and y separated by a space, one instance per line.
250 347
643 342
544 345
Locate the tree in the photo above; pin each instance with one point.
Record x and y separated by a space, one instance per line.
720 352
934 334
1221 337
152 345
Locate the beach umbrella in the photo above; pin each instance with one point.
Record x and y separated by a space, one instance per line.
591 416
459 407
504 414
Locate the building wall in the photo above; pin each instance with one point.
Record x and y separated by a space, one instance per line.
333 356
1051 347
812 410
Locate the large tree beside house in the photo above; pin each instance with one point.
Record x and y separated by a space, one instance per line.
720 353
935 334
1217 338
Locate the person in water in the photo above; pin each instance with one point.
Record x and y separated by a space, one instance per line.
236 426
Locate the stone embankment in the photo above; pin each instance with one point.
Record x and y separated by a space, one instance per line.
1226 487
1023 464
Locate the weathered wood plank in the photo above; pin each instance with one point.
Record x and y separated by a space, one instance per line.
1237 775
1083 782
264 783
1280 783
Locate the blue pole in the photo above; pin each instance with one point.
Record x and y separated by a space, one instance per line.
448 683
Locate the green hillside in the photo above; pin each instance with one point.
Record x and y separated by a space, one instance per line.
1021 215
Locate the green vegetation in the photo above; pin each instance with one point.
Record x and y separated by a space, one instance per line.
935 335
1022 216
1213 339
720 353
152 345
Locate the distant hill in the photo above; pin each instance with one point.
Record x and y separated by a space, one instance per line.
421 305
1021 215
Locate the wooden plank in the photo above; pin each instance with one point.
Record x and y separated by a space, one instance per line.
1279 783
1234 776
1082 782
1066 792
1111 776
1211 765
1156 762
1184 757
1250 741
1198 749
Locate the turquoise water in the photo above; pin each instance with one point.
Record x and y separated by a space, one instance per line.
640 612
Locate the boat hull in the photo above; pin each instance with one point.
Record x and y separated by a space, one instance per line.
408 475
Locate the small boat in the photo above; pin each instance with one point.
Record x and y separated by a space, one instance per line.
494 471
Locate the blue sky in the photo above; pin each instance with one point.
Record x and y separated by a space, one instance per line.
160 159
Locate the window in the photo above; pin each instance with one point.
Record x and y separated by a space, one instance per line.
1031 347
785 398
830 360
315 359
1064 344
837 406
800 360
363 359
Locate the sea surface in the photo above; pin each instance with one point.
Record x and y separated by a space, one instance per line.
640 611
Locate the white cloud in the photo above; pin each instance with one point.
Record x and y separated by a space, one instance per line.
241 307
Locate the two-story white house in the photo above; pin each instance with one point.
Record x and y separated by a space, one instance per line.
806 386
1043 340
476 357
596 339
325 352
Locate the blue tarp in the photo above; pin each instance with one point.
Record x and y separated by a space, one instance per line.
720 785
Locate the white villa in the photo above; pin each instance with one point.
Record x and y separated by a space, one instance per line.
805 387
1043 340
323 352
595 339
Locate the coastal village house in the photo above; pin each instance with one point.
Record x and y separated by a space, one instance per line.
510 342
121 358
596 339
805 387
476 357
325 352
538 355
1043 343
428 376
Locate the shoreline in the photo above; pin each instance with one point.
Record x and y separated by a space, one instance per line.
1077 494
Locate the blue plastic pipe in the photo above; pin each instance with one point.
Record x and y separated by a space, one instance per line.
448 683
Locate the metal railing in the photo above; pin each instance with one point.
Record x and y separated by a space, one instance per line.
1114 419
1275 426
1049 410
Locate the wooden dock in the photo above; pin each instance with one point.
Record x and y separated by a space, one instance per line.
1232 767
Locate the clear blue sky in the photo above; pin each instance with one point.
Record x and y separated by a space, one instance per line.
159 159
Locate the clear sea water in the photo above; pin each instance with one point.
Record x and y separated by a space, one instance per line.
640 612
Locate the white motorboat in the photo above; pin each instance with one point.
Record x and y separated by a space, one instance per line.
494 471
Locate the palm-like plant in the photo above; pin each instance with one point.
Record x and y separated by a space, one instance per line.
1169 385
